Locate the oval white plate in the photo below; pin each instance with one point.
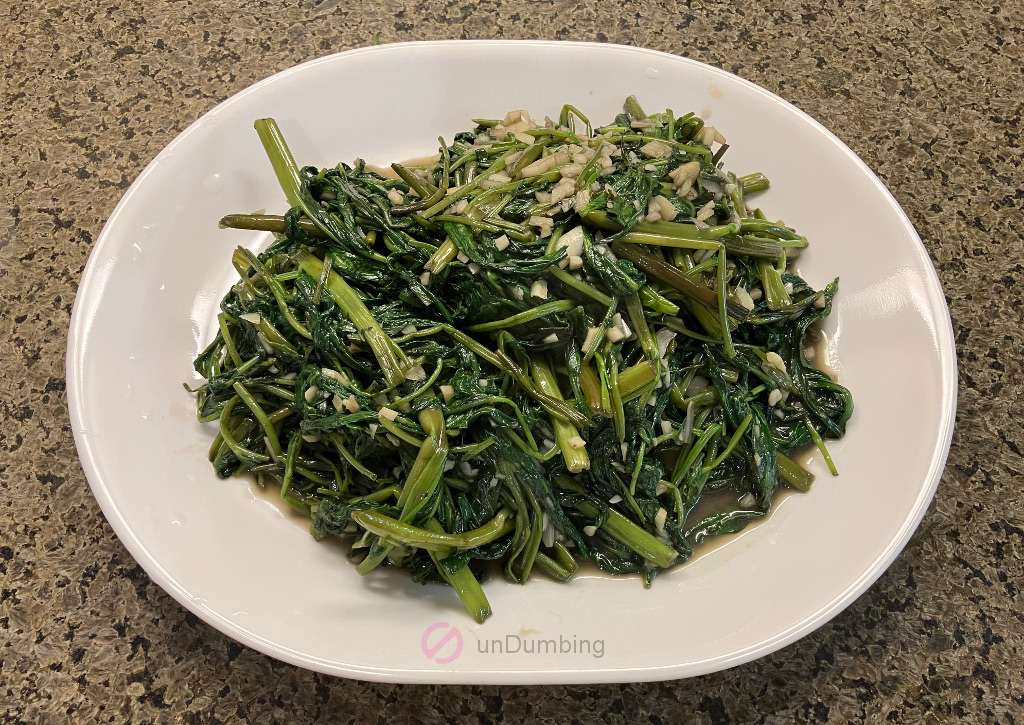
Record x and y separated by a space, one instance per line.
147 305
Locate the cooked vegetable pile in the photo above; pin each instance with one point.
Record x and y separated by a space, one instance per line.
557 344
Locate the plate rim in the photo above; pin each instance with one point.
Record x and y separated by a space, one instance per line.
89 292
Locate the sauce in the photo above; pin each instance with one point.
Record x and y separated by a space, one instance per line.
708 504
717 542
817 340
419 162
270 495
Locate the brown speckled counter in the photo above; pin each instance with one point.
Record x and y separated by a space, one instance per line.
927 93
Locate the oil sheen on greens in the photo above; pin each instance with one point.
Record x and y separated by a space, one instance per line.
557 344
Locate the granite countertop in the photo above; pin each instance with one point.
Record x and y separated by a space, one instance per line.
927 93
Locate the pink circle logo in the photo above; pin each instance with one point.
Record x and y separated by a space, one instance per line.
439 651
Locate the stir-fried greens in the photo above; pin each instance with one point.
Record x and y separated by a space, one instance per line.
545 348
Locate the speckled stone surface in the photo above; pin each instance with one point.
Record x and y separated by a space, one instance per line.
927 92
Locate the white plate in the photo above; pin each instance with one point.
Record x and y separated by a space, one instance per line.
149 296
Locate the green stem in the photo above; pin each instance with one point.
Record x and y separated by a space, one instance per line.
636 378
793 473
287 171
579 285
222 323
466 189
324 274
753 247
429 465
409 535
551 567
753 182
548 308
268 223
576 458
763 226
438 195
732 442
278 291
723 313
391 427
653 300
422 188
674 278
816 437
771 282
648 343
684 464
440 258
391 359
633 110
684 230
629 534
294 446
243 453
664 241
463 581
378 496
339 445
559 408
246 397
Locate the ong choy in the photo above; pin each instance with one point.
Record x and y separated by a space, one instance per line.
546 347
